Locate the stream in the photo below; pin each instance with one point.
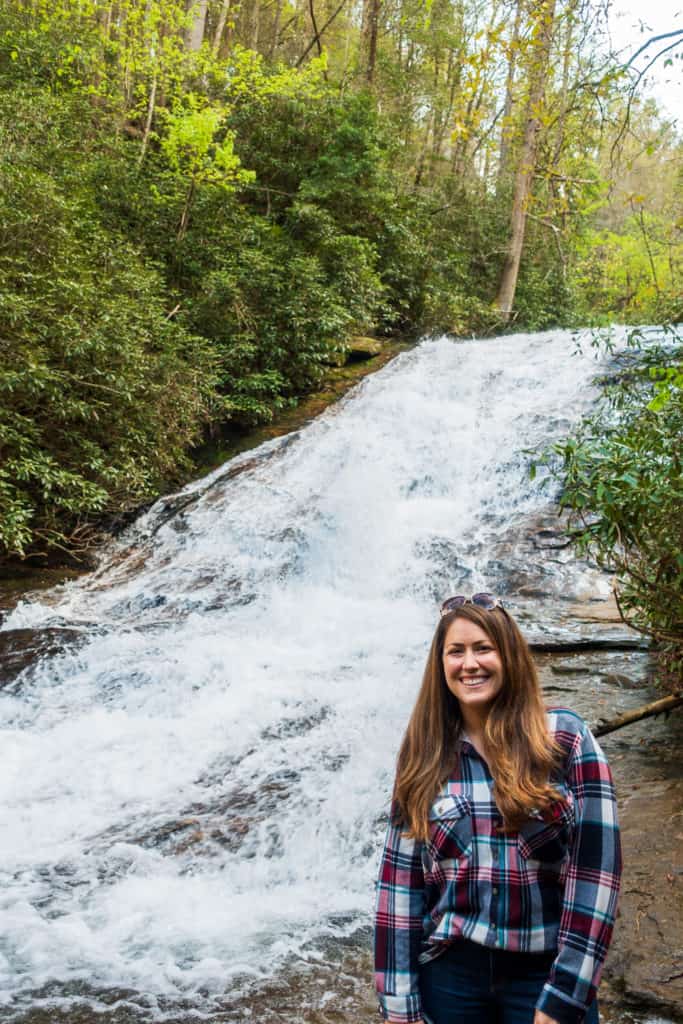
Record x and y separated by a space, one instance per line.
198 737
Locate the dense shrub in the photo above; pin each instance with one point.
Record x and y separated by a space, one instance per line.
100 392
622 473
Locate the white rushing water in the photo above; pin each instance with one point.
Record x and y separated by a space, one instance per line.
194 794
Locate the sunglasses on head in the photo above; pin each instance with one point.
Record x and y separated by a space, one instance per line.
486 601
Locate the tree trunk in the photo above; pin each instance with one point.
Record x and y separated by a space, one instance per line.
540 59
370 33
506 128
148 121
276 28
567 55
648 248
220 27
195 35
255 25
185 215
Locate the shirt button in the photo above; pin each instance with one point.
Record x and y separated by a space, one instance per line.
495 890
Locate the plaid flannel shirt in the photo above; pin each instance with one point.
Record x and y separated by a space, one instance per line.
551 887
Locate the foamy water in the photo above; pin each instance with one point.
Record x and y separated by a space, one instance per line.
196 793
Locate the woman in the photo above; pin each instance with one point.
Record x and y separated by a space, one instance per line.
500 873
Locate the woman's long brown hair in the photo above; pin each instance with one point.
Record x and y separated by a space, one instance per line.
521 753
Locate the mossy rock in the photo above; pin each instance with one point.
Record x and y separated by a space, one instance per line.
363 348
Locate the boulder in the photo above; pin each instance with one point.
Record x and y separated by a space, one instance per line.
363 348
20 648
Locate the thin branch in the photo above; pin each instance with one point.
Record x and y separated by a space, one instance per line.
557 235
671 46
632 90
653 39
316 38
148 121
284 28
311 8
548 172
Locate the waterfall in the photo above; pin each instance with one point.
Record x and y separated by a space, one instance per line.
193 794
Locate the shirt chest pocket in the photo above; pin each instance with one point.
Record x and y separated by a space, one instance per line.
546 836
450 826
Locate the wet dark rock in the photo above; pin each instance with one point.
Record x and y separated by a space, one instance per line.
225 819
603 644
174 836
562 668
280 783
625 682
198 835
221 769
333 762
545 539
180 524
533 591
140 603
170 507
21 648
295 726
422 487
74 1003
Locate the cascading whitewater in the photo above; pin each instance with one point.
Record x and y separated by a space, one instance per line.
193 795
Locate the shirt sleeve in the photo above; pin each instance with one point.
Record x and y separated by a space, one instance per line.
591 886
398 927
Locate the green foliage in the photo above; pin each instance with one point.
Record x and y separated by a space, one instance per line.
544 297
192 229
617 276
276 309
622 473
100 393
190 144
277 278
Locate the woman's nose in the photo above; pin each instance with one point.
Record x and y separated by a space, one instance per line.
469 660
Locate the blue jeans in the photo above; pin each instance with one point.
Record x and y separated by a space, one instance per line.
472 984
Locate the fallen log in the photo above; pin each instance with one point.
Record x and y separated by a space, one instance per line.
655 707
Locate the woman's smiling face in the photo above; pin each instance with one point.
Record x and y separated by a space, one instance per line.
472 666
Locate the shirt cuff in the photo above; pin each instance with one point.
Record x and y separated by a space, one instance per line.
401 1009
559 1007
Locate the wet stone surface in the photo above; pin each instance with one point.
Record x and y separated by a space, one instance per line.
21 649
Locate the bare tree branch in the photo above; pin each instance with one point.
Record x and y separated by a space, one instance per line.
656 707
678 34
316 38
655 39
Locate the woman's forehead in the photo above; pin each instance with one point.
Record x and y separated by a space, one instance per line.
464 631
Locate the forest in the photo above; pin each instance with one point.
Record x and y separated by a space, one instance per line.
203 202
